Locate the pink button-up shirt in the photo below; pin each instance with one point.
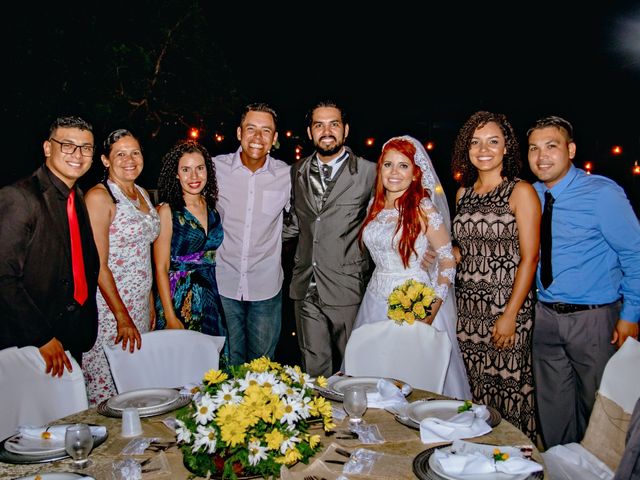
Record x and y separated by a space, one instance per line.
251 204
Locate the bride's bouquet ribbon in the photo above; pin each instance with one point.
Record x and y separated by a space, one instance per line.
467 424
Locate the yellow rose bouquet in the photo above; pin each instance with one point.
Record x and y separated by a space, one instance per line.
251 420
410 301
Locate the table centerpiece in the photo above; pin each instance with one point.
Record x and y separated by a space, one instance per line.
251 419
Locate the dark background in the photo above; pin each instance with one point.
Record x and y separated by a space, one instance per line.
161 67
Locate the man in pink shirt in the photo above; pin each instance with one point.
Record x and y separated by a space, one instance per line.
254 190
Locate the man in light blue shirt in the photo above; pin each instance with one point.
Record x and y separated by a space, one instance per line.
589 288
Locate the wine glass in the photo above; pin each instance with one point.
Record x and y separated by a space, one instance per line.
78 442
355 403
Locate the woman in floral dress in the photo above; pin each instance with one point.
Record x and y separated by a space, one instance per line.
124 224
185 251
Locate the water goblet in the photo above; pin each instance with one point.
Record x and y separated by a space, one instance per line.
78 443
355 403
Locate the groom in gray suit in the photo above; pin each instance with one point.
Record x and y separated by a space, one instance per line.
330 193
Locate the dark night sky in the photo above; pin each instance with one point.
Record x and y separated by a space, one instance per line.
420 71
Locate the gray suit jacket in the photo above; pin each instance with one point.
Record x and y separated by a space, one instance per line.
328 243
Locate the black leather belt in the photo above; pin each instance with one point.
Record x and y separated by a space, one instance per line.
572 307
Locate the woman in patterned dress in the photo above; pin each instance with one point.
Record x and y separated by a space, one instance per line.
124 224
497 229
185 251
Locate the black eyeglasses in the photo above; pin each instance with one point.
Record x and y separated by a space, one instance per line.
70 148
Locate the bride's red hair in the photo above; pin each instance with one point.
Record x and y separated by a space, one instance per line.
411 219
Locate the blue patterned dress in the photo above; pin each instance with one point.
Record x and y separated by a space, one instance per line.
192 274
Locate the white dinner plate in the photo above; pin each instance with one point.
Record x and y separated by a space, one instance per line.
144 399
23 445
55 476
442 409
369 383
435 466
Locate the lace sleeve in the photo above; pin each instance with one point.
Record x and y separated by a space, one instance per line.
444 271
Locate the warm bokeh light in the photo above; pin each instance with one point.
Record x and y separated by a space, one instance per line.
288 133
219 137
370 141
429 145
636 168
616 150
588 166
194 133
457 175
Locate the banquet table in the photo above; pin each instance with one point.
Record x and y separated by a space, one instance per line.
400 447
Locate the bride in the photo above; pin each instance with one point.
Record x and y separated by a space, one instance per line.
409 213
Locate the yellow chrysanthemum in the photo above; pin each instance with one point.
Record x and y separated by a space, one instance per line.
314 440
227 413
233 433
292 456
320 406
321 381
213 377
274 439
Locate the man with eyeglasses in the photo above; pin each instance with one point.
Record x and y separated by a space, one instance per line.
48 259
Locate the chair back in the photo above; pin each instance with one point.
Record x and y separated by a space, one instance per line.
417 354
167 358
620 377
31 397
598 454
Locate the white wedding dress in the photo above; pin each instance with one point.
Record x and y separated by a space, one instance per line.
390 272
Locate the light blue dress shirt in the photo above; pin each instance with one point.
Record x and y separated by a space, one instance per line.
595 244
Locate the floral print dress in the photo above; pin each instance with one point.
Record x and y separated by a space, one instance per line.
130 236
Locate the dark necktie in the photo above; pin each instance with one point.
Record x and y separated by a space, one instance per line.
546 275
80 291
326 173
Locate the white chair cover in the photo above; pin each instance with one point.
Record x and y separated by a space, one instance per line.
620 377
620 385
417 354
167 358
28 396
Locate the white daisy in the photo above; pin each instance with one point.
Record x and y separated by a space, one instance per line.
184 434
227 393
251 378
205 436
288 443
291 407
205 409
257 452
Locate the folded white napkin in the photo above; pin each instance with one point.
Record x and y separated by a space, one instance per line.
465 458
57 432
467 424
388 395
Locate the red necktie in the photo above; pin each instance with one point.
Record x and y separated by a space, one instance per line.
80 291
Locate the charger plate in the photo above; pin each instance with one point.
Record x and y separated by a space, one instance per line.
182 400
337 385
423 471
493 421
22 458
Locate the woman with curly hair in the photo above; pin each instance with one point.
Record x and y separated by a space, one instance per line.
497 230
190 233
